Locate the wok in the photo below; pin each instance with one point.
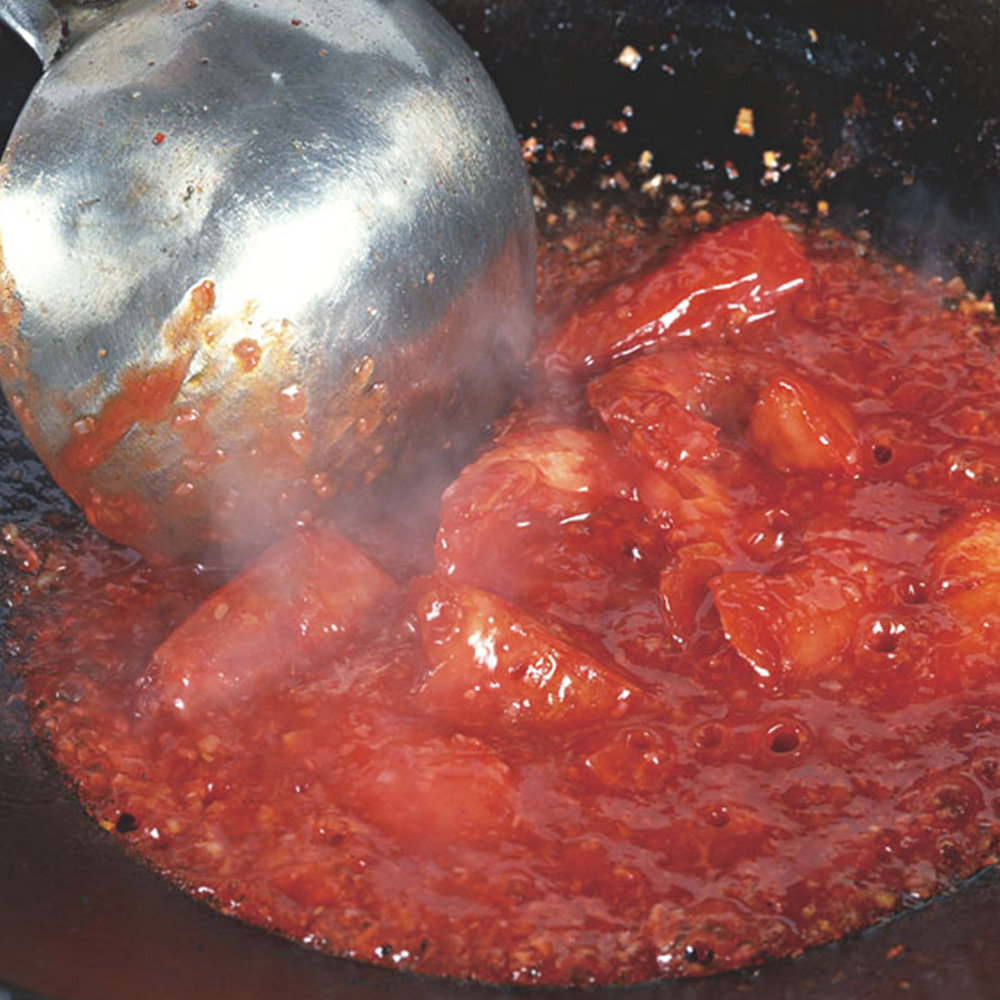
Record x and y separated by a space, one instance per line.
887 109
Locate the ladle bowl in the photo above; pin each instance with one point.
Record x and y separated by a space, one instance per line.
255 255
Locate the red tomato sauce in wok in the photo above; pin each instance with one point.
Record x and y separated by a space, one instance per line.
702 666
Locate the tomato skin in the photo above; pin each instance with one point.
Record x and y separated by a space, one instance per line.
296 604
723 280
491 666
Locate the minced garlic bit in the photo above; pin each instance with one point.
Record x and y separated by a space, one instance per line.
772 169
645 160
822 208
530 148
744 123
653 185
813 37
630 58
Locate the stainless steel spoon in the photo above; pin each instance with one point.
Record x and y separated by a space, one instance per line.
255 254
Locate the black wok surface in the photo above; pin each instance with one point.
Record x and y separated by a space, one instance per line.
892 114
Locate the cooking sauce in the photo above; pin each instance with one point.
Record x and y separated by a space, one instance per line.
699 668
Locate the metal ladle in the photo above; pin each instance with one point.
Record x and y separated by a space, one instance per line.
255 255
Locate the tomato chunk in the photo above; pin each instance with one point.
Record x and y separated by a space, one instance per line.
684 585
292 607
721 280
798 427
967 553
562 502
643 406
560 471
799 622
701 509
430 790
965 569
492 666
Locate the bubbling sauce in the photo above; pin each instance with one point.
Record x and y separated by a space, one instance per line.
697 667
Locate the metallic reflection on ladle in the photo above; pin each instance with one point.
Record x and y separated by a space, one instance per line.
344 181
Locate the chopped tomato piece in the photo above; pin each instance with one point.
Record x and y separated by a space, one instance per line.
720 280
558 470
798 427
292 607
696 502
492 666
965 569
684 585
562 501
428 791
967 553
701 508
642 404
716 384
799 622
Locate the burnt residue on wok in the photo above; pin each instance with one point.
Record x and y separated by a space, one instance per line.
887 113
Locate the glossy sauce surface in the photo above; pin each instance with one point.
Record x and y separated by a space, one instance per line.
700 667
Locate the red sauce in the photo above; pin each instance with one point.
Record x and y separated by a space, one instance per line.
145 397
247 352
701 668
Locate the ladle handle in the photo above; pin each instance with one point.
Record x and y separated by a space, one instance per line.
38 23
50 27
